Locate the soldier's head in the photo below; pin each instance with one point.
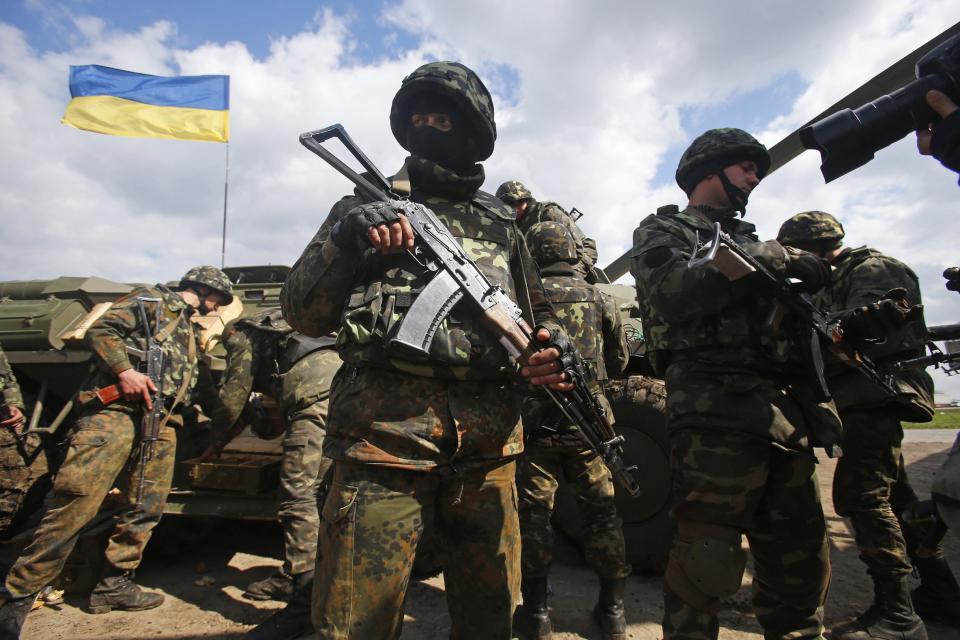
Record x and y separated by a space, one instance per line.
206 288
444 113
516 195
550 243
814 231
721 167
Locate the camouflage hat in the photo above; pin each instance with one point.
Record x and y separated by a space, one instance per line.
513 191
551 242
717 149
209 277
809 227
456 82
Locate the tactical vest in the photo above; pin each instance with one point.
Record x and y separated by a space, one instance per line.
387 287
580 311
282 345
736 332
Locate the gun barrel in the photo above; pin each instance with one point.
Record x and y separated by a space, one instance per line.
944 332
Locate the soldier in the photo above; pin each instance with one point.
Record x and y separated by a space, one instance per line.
11 460
265 355
105 446
415 439
870 476
742 423
554 450
530 211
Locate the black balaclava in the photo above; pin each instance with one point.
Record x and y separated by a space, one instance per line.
454 149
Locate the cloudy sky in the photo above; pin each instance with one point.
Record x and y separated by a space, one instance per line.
595 103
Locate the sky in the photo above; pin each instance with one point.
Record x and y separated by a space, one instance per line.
594 102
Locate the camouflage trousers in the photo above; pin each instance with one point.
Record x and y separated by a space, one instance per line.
539 470
726 484
372 522
22 464
301 477
863 487
104 445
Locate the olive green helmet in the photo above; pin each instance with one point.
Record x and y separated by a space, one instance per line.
209 277
513 191
455 82
716 149
811 228
551 242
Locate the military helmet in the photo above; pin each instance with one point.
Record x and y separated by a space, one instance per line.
209 277
513 191
810 227
551 242
456 82
716 149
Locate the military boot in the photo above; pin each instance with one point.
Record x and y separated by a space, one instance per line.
532 619
938 596
13 613
891 618
293 620
119 591
279 586
609 610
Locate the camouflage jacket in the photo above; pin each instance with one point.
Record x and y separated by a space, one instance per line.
860 277
121 327
8 383
548 211
368 294
723 370
592 322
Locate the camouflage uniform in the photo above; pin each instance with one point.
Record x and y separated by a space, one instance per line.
16 476
418 440
537 211
104 445
741 423
264 355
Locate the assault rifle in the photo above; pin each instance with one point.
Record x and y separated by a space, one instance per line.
818 327
455 276
155 363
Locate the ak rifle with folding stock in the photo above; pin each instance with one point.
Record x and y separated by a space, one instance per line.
819 328
155 361
455 276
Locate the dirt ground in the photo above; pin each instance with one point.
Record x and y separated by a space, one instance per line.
234 554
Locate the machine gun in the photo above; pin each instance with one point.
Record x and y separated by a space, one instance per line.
819 329
455 276
946 361
155 361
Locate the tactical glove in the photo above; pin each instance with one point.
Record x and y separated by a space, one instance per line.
350 232
953 276
570 361
811 270
875 321
945 143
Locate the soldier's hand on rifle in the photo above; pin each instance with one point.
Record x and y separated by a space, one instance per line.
14 418
953 278
546 366
136 386
887 315
376 224
811 270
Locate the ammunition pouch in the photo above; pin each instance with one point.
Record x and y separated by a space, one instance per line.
706 564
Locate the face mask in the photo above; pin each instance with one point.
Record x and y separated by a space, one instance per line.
449 149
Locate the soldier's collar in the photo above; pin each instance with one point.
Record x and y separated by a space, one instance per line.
434 180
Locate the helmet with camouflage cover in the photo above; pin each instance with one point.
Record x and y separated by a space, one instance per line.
551 242
513 191
453 81
716 149
209 277
811 228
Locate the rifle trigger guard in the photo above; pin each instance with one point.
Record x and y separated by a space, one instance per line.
694 262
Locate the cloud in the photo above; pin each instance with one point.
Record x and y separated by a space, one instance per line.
591 99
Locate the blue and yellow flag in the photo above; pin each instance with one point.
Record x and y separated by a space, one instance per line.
123 103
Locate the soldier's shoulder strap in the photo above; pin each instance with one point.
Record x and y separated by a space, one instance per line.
492 205
299 346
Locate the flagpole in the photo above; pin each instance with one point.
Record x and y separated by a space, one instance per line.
226 182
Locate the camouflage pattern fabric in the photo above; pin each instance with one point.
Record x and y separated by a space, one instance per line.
539 470
8 383
103 449
210 277
306 396
513 191
746 484
715 150
548 211
810 227
371 525
22 466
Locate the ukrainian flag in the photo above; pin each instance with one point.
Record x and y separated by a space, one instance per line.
123 103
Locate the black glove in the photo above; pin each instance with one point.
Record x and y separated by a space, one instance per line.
811 270
570 361
953 276
874 322
350 232
945 143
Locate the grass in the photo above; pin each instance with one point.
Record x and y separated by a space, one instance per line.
944 418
